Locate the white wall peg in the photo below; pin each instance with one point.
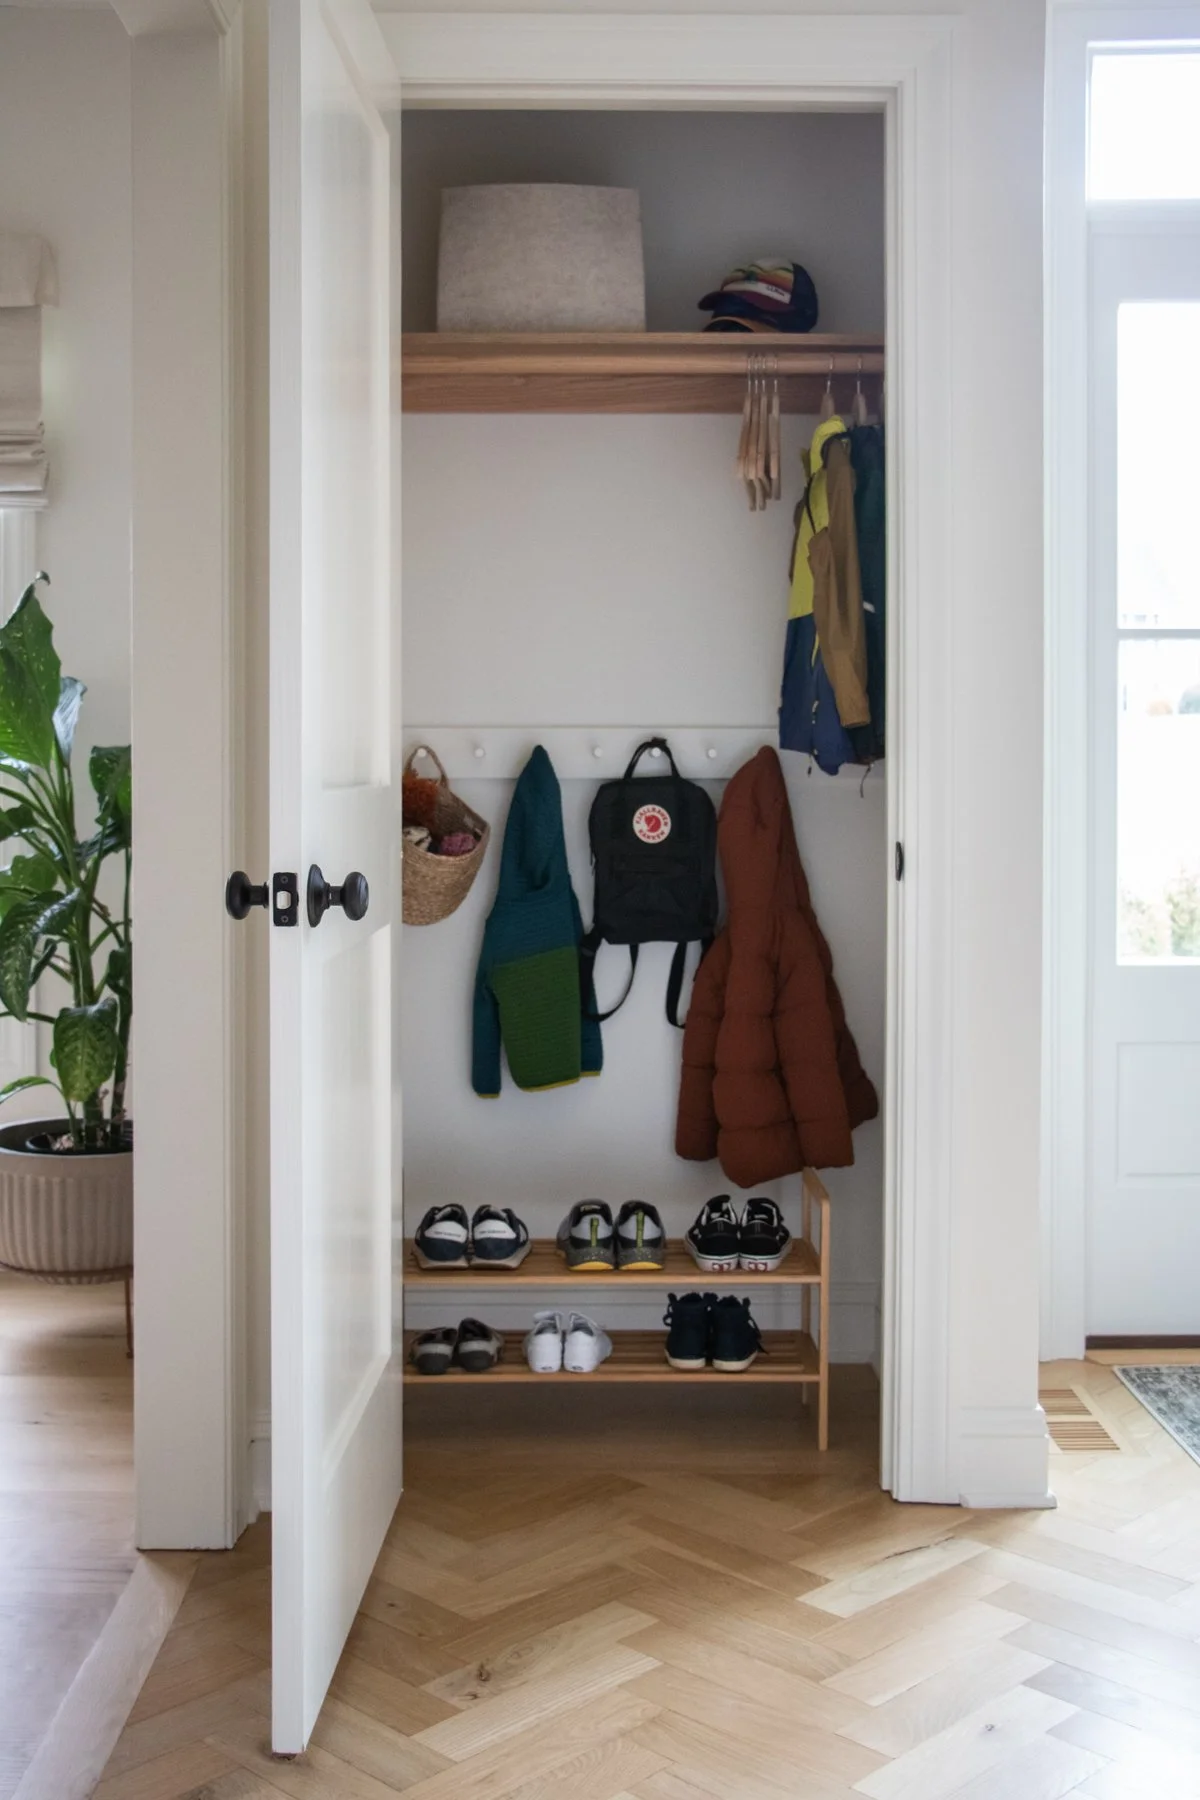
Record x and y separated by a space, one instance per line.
583 751
654 750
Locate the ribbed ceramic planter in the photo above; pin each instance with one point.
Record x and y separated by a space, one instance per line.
64 1218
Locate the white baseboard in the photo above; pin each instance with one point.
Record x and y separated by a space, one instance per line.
1003 1457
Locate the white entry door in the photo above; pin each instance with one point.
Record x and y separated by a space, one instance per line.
1144 1199
336 1365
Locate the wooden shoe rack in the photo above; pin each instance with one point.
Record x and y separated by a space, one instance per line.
791 1356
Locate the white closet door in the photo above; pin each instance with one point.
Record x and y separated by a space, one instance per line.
336 1360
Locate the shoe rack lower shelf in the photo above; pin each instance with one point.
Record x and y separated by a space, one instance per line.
639 1356
544 1267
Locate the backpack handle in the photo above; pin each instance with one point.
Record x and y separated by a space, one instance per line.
654 743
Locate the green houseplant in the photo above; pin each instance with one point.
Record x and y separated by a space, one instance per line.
55 921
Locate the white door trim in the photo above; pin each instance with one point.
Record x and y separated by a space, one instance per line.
903 64
1068 742
189 1373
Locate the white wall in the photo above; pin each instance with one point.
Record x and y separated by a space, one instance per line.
65 174
993 720
606 571
717 189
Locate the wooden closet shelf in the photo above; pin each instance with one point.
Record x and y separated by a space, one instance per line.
641 1356
543 1267
627 372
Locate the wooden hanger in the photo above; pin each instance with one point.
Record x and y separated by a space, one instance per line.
827 407
858 411
741 467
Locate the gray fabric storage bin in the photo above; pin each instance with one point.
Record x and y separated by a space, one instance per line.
544 257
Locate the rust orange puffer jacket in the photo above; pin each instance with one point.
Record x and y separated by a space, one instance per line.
771 1081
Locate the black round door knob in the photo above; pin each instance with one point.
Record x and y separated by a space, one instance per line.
241 894
354 896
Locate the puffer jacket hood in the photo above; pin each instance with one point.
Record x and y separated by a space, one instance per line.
772 1081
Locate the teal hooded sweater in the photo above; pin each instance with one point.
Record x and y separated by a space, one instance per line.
527 987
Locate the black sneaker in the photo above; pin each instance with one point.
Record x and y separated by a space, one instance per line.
443 1238
735 1337
477 1347
586 1237
641 1241
433 1351
713 1240
499 1240
763 1238
689 1327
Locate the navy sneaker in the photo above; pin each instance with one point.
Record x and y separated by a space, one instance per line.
714 1239
689 1329
736 1339
443 1238
499 1240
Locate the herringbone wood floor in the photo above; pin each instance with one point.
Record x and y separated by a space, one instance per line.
624 1600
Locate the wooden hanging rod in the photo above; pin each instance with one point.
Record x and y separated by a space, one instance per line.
627 371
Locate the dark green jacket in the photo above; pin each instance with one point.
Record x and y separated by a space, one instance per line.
527 988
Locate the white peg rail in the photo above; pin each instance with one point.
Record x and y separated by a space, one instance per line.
585 753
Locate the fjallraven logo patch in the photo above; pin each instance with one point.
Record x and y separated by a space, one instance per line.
652 824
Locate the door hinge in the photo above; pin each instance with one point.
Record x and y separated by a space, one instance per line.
285 899
899 862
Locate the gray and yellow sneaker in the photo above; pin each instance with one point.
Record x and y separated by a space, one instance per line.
586 1238
641 1240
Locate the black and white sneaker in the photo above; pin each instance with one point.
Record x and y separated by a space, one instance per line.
641 1240
443 1238
735 1338
586 1238
477 1347
433 1351
763 1238
499 1240
714 1238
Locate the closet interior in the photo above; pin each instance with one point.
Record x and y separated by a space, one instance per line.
587 565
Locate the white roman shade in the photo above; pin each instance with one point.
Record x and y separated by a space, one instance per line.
27 283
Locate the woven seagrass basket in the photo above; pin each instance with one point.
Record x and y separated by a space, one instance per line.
436 886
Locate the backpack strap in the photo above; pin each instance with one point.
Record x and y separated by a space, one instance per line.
589 945
675 979
654 743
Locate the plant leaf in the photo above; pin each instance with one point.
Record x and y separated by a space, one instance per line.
119 973
58 915
66 713
30 875
85 1048
111 769
29 683
21 1083
18 935
14 820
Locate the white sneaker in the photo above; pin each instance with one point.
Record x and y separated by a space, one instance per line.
585 1346
544 1344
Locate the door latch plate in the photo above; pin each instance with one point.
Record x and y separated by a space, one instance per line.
285 899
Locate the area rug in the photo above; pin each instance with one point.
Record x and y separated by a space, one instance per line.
1170 1392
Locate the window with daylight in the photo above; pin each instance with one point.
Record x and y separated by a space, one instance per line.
1144 125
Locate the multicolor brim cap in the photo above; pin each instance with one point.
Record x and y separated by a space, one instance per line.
763 296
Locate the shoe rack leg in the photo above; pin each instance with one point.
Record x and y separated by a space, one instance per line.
823 1343
806 1291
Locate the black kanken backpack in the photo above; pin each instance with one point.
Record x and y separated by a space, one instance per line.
654 851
